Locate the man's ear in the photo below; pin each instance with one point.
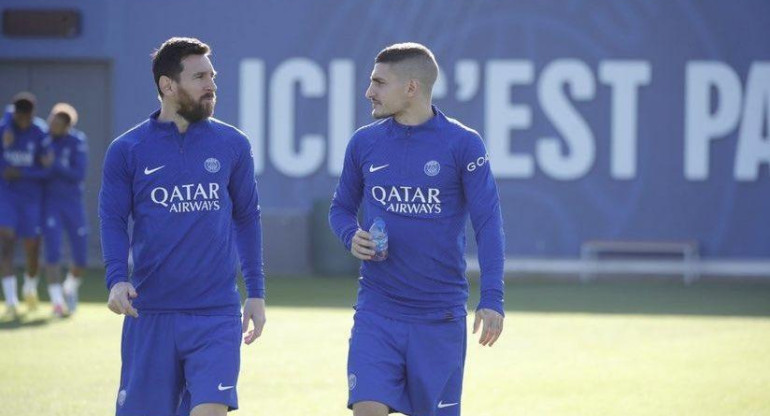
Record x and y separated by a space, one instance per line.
412 87
166 85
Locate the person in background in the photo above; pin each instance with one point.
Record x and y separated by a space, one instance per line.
25 161
63 207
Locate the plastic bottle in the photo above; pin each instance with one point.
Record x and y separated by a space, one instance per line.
380 237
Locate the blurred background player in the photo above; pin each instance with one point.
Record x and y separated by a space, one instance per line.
25 160
424 174
63 207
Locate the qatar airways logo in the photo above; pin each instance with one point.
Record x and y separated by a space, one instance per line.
193 197
408 199
20 158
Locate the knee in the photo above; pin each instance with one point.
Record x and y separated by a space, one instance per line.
32 242
6 236
369 409
6 244
209 409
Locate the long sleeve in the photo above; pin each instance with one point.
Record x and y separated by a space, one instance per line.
7 115
483 201
3 163
343 212
42 149
76 171
246 219
115 201
35 172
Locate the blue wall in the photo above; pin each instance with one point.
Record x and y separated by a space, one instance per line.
604 119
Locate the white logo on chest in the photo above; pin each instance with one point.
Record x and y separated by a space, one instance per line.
408 199
432 168
188 198
212 165
148 171
373 168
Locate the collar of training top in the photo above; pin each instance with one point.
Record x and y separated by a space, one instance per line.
169 126
427 125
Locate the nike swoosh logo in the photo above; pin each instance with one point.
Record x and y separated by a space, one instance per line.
148 171
373 168
442 405
220 387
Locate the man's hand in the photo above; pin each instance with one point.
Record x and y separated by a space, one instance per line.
47 160
254 311
120 299
11 173
362 246
493 326
8 137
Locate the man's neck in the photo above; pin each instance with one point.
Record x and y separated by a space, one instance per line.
168 113
19 128
416 115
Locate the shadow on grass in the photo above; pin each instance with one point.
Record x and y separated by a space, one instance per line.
646 297
22 322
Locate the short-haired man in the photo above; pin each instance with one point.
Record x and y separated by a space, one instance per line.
422 173
188 181
63 207
24 163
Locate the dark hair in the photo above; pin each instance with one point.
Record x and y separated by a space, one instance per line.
415 61
167 60
24 103
66 112
64 117
403 51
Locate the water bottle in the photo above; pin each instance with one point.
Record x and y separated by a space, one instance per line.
380 237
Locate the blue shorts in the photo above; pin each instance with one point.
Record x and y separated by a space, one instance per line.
71 219
20 215
413 368
173 362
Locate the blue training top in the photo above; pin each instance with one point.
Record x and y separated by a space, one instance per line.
424 181
24 153
193 199
69 167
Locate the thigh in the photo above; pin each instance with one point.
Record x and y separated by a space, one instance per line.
377 362
76 228
436 360
52 240
30 216
151 379
211 349
8 217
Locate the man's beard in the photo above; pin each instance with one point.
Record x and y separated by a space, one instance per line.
382 113
193 111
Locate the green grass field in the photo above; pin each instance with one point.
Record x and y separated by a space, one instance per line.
629 348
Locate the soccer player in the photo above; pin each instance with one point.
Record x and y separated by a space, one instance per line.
63 207
24 162
423 173
188 181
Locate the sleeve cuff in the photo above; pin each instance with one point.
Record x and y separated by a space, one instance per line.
495 305
115 280
255 293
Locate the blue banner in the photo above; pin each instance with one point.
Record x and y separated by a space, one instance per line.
619 120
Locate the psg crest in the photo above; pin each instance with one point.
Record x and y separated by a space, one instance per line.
212 165
432 168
